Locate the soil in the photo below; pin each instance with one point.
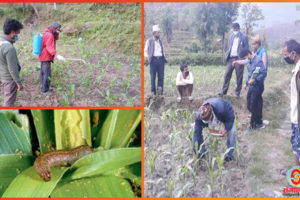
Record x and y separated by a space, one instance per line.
32 97
238 178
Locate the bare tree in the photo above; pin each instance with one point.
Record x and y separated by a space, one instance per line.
251 13
36 11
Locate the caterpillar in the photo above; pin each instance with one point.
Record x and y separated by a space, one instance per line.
50 159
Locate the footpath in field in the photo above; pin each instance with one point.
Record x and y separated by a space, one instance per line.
171 169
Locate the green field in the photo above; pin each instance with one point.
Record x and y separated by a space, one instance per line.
171 169
105 36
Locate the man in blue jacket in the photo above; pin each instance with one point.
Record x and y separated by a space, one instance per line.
213 112
236 42
255 81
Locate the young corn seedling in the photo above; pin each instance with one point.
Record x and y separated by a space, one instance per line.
170 187
212 173
152 160
220 163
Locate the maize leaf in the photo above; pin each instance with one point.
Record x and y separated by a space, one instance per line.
99 186
72 128
30 184
44 126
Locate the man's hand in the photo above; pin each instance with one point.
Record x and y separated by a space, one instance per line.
251 81
211 131
59 57
223 132
20 87
233 63
245 87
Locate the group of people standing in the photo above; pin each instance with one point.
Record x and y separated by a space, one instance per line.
9 64
215 111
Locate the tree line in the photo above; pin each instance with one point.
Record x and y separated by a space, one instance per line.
210 22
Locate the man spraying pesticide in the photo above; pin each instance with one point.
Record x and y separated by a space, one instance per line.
45 47
46 52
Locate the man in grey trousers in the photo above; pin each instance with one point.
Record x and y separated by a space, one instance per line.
9 63
236 42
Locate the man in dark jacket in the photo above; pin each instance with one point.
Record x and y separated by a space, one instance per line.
213 112
48 53
154 51
255 81
9 63
236 42
291 53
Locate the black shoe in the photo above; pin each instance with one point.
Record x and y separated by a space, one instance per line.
221 94
238 96
229 158
260 126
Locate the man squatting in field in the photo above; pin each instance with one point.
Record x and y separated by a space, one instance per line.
154 51
255 81
9 63
184 83
213 112
50 36
291 53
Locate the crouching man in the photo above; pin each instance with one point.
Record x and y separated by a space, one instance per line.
213 112
184 83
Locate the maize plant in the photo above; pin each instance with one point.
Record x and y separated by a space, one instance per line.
111 169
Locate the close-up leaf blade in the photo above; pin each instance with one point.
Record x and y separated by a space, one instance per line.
99 186
30 184
72 128
103 161
14 134
10 166
44 125
118 128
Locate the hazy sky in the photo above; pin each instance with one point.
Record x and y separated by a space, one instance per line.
278 13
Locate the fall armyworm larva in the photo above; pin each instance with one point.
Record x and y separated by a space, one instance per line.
58 158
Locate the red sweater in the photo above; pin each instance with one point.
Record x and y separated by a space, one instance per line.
48 46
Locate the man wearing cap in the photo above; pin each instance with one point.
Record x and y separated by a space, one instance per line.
237 41
213 112
154 51
9 63
48 53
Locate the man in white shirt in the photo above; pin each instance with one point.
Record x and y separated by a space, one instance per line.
184 83
236 42
291 53
154 51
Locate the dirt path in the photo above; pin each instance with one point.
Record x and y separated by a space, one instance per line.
276 153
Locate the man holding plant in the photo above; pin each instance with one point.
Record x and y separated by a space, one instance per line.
212 113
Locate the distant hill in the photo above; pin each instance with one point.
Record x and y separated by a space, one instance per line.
276 35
